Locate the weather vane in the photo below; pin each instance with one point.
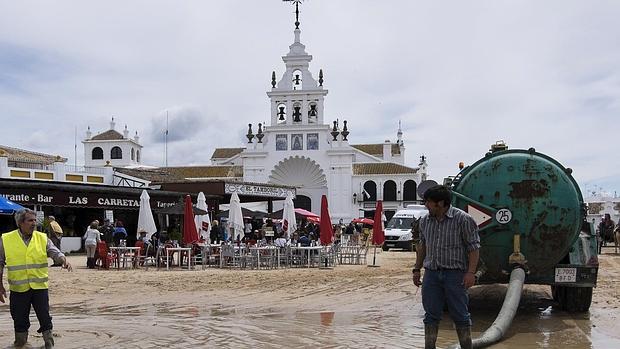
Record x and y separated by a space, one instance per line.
296 2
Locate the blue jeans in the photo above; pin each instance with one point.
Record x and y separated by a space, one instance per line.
445 286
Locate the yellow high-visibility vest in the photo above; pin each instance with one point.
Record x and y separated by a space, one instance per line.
26 265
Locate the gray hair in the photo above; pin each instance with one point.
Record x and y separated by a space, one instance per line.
20 216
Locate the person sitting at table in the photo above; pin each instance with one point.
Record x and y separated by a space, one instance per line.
148 245
155 240
294 238
119 233
281 240
304 241
260 237
214 235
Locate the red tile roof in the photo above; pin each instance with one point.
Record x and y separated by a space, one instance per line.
382 168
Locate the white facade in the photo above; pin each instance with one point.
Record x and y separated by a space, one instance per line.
600 205
298 149
111 148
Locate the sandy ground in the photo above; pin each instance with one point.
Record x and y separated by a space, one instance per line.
343 290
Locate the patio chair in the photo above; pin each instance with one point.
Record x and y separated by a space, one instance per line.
363 252
160 256
298 258
231 258
212 256
267 258
285 257
348 254
104 258
146 257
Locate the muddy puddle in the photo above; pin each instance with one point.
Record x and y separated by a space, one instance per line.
166 325
346 307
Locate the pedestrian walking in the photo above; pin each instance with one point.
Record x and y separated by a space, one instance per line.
24 251
91 239
55 234
449 251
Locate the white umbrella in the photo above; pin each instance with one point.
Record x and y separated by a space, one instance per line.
289 223
203 222
146 223
235 218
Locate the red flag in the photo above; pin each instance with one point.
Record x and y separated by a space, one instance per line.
190 235
378 235
327 233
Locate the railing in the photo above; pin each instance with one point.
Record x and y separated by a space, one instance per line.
30 165
84 169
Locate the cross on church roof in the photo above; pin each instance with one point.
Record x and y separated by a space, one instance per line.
296 2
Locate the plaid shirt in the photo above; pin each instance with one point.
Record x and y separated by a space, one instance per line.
449 241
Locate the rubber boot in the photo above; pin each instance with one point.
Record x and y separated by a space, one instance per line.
430 336
48 338
91 263
20 339
464 334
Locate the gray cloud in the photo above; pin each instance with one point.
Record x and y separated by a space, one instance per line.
458 76
183 123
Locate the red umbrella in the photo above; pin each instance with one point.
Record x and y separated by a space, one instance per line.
378 235
190 235
305 213
327 233
363 221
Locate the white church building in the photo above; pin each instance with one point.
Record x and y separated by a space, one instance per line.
301 147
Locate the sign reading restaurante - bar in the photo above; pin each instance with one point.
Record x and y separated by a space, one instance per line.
257 190
102 200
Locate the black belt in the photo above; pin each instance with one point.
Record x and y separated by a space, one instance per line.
447 269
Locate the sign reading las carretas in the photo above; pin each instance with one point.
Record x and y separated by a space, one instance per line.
82 200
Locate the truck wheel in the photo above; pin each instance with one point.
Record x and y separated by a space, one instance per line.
575 299
555 293
385 248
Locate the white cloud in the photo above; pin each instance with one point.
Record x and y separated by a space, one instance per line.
459 75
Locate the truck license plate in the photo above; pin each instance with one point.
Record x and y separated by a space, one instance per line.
565 274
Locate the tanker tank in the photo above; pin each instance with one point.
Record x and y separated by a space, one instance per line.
531 219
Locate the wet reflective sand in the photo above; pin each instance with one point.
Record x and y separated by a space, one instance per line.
355 307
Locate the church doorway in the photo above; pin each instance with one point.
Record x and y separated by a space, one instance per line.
302 201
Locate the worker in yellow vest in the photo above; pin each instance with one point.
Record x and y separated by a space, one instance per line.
24 252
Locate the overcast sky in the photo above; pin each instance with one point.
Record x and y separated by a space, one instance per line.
458 74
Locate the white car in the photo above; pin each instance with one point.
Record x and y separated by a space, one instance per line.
398 229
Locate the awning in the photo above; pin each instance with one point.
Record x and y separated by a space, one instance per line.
28 192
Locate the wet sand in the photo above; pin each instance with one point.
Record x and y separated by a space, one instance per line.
345 307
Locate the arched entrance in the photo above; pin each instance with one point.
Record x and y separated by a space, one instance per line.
389 191
409 191
370 191
302 201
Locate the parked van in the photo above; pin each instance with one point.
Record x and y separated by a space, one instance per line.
398 229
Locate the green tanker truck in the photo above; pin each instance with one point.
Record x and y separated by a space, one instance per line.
533 230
